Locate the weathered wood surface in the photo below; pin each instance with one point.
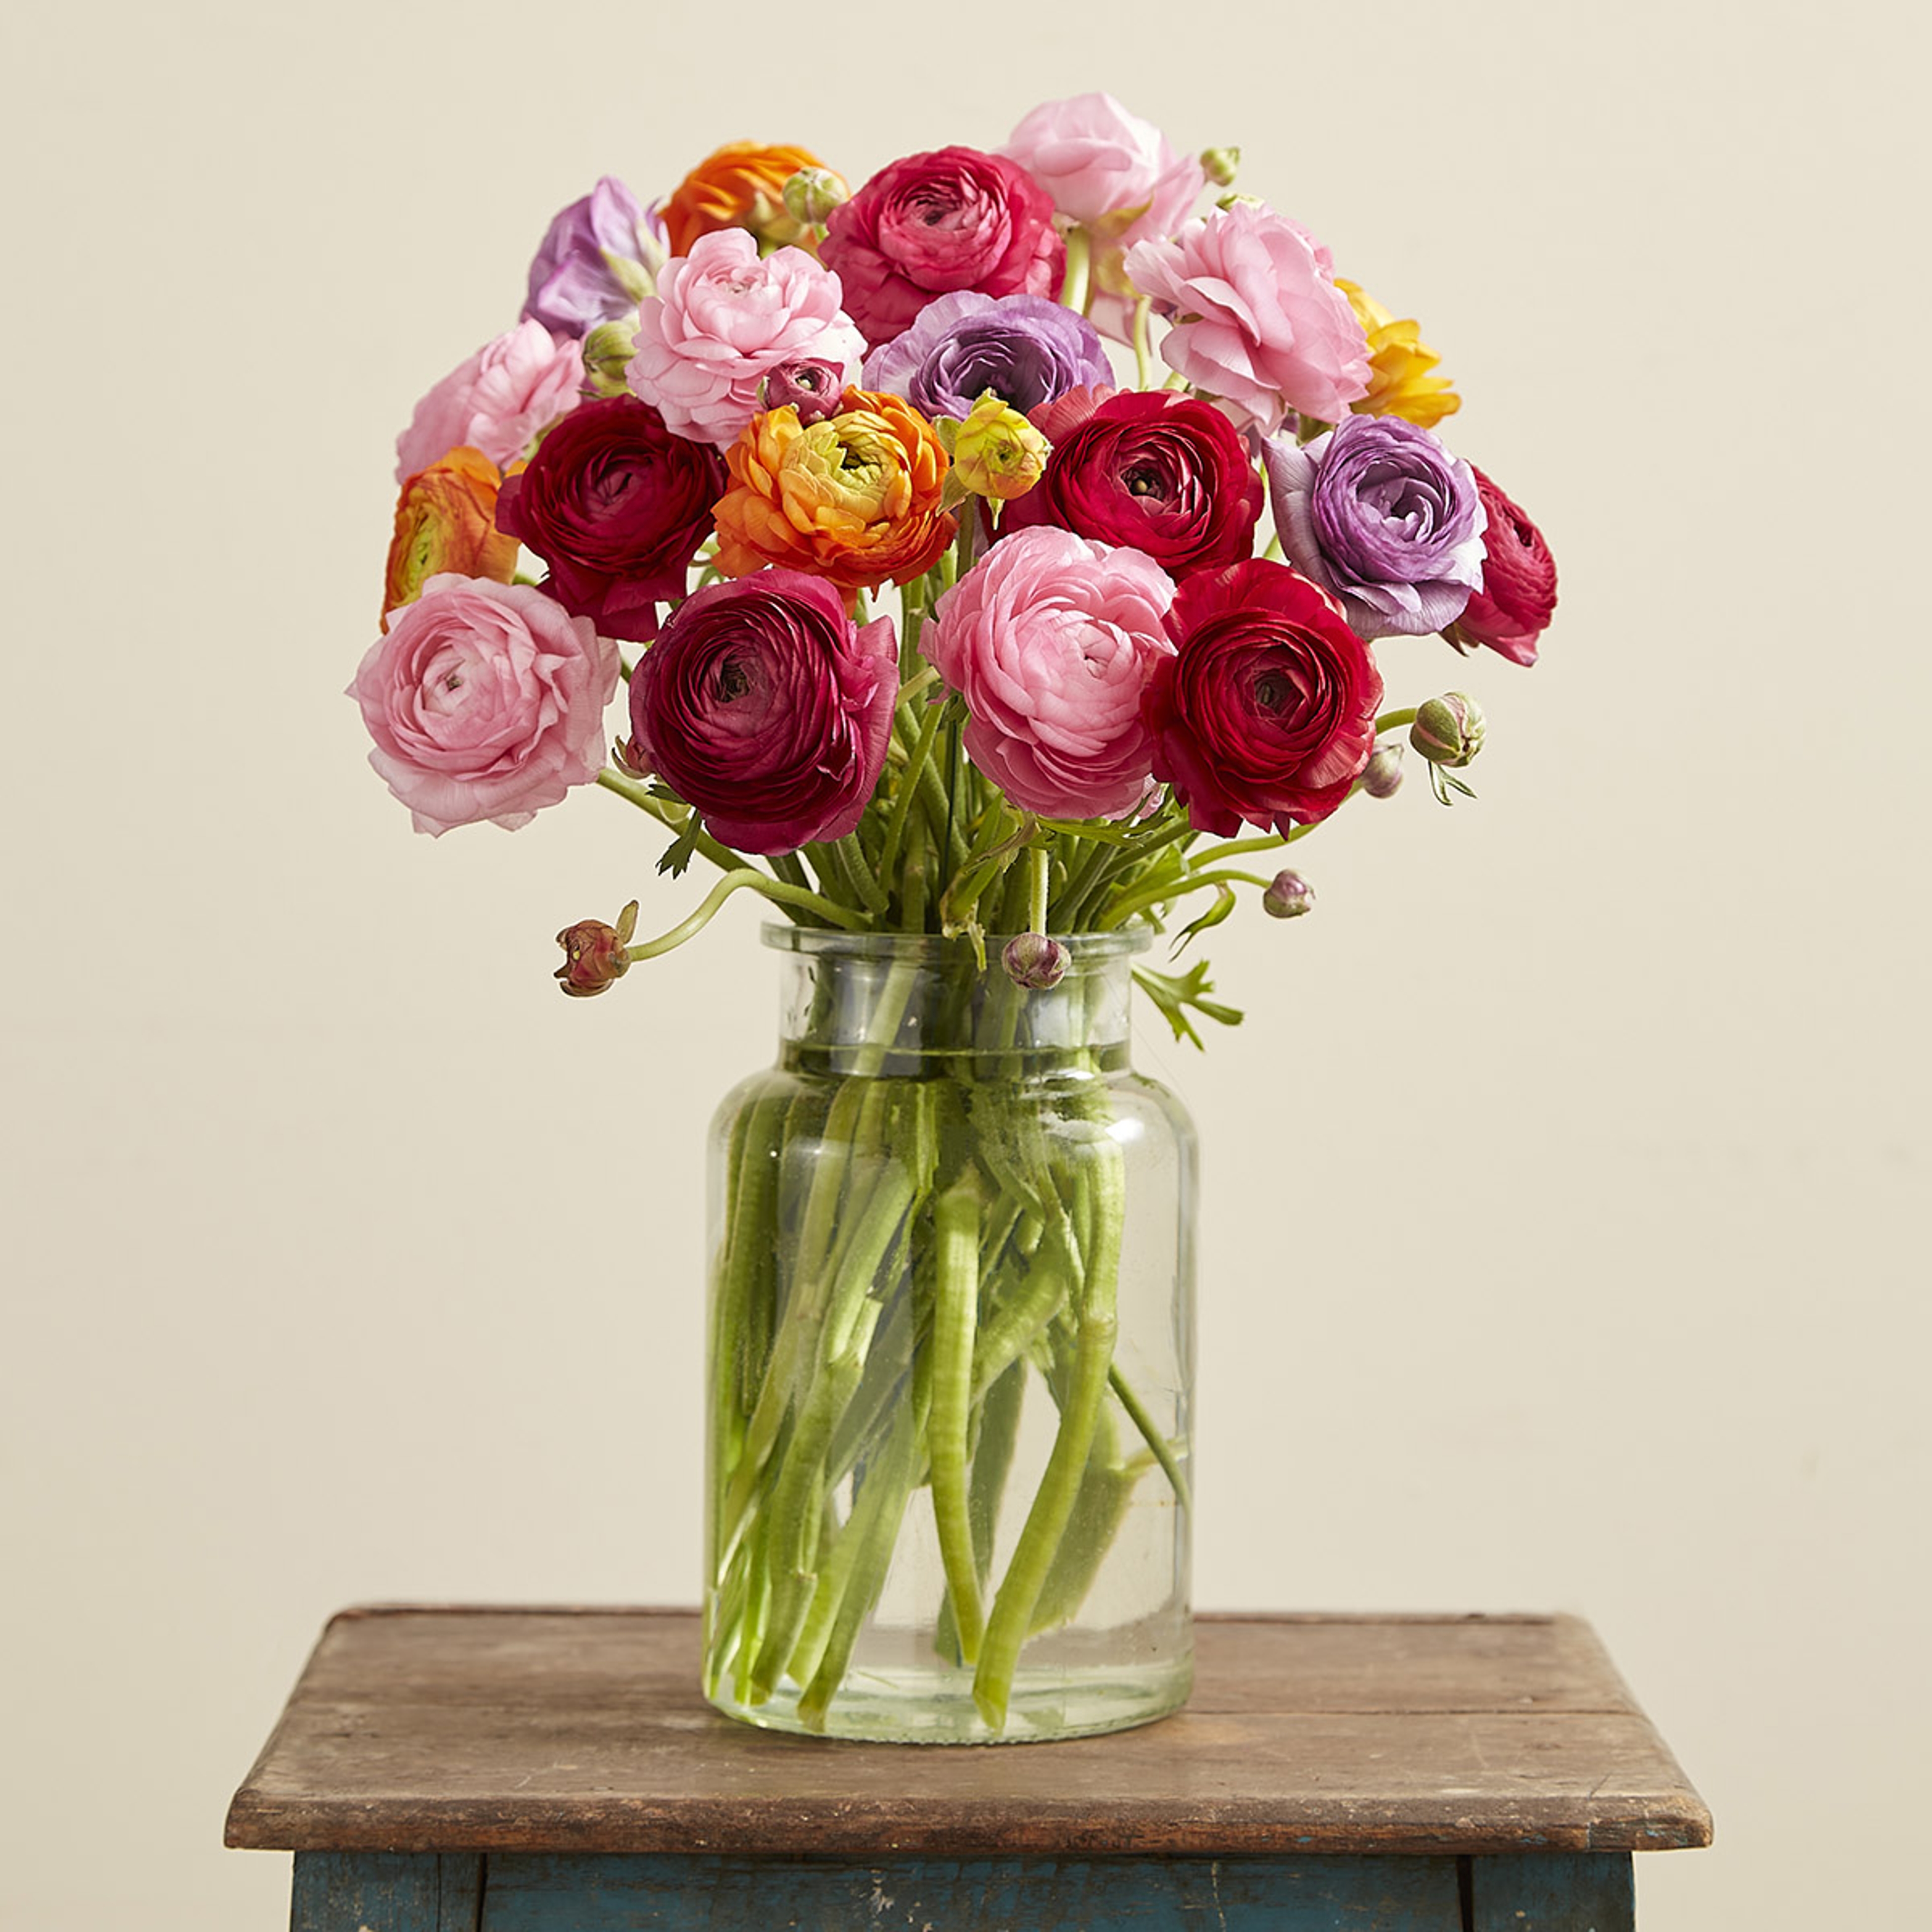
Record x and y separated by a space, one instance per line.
435 1729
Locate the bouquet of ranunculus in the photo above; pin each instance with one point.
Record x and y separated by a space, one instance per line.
1152 485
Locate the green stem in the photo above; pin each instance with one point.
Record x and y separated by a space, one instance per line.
1143 352
1038 861
955 1225
1079 261
747 880
1391 720
1150 1434
851 858
630 790
917 763
1124 909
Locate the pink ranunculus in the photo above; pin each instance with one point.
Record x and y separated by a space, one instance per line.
485 700
722 320
499 401
1051 639
1265 329
1104 166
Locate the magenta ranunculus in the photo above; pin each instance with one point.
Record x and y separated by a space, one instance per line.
498 401
1051 639
1106 167
1259 323
767 709
486 701
1267 711
722 320
925 225
1510 609
574 284
617 506
1377 511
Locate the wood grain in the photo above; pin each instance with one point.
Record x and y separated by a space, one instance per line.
452 1728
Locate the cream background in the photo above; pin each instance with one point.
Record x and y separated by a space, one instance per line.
1565 1191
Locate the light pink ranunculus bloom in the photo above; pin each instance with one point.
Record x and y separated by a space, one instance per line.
722 320
1266 330
499 401
485 700
1050 639
1102 165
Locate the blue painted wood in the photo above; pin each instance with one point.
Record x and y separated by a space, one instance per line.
541 1893
385 1892
1552 1892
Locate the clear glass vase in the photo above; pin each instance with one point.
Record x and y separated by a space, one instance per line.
951 1355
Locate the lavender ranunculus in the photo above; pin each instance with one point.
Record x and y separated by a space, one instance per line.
1378 512
591 265
1026 349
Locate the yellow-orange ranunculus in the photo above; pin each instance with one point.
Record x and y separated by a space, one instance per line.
446 520
1399 383
854 499
741 186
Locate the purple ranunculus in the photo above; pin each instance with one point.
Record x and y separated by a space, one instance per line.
1026 349
1378 512
574 285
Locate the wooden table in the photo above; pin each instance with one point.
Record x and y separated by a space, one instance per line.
474 1770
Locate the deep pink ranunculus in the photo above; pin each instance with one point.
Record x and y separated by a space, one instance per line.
617 506
1156 471
953 219
1518 592
766 708
1267 711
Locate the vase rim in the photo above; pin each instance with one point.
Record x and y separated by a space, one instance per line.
934 949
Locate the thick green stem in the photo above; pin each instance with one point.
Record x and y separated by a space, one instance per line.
955 1227
776 890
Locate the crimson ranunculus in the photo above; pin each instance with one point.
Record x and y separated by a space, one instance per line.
1510 610
1267 711
923 226
764 706
1155 471
617 507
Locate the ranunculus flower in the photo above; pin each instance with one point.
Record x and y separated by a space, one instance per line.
1106 167
1400 363
765 708
740 186
590 267
1267 711
445 525
499 401
997 453
485 700
1051 639
1026 349
930 223
617 506
1155 470
1510 607
1378 512
723 319
1261 324
854 498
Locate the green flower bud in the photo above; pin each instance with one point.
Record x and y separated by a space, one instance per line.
1448 729
1289 896
608 349
812 194
1219 164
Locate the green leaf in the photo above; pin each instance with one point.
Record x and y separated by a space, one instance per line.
1175 994
678 854
1224 904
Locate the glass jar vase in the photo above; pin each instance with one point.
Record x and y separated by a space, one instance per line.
951 1354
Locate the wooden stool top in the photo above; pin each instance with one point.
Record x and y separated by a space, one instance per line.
446 1729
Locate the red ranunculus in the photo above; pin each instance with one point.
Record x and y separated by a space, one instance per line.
1518 588
1155 471
1267 711
953 219
617 506
763 705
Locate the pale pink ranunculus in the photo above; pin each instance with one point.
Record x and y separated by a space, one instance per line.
1051 639
1264 329
722 320
1104 166
486 701
499 401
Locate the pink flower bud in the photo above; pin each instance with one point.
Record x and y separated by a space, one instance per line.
594 954
1034 960
1289 896
813 387
1448 729
1381 776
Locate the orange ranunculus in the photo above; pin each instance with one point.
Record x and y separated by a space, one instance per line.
741 186
446 520
854 499
1399 363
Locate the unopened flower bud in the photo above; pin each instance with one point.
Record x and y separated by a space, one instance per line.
812 194
1289 896
594 954
1219 165
1381 776
997 452
606 349
813 389
1448 729
1035 961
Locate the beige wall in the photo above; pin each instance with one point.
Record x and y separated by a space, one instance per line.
1565 1193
